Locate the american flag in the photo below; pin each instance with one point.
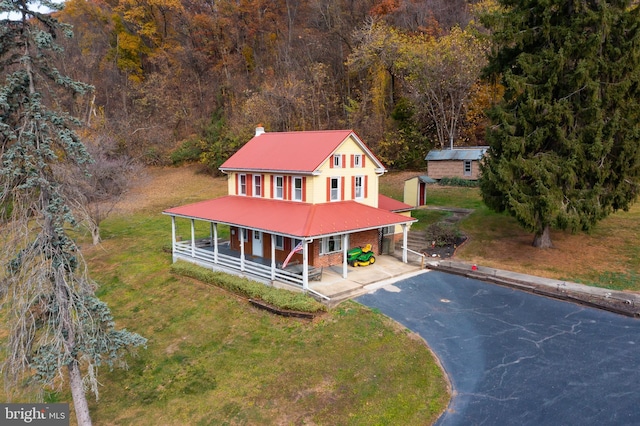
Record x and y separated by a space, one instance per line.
295 250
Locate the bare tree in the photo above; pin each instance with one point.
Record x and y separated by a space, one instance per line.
441 74
94 191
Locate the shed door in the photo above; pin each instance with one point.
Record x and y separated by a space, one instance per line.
422 194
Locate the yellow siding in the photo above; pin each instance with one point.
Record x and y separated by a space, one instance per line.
398 229
348 148
316 186
411 188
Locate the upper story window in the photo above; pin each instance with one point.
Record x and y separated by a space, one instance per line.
358 187
467 167
337 161
297 189
242 184
278 187
357 161
257 185
335 189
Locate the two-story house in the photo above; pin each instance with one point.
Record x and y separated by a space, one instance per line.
311 193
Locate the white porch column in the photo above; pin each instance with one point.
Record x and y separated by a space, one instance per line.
405 230
242 232
345 249
305 265
215 242
193 238
173 238
273 257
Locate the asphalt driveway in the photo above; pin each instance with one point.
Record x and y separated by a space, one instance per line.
515 358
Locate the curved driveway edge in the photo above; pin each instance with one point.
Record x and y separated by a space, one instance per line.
515 358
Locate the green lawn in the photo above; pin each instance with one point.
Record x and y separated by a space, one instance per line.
608 256
212 358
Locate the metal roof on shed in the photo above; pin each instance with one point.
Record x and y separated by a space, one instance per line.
457 154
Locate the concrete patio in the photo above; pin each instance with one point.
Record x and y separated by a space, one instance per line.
360 280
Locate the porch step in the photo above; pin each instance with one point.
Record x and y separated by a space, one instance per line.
417 241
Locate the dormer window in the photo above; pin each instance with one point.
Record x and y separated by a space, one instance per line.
337 161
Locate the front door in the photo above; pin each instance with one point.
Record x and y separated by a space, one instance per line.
257 244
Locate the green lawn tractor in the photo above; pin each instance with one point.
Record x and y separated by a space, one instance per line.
361 256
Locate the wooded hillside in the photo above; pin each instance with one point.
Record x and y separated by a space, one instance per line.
199 75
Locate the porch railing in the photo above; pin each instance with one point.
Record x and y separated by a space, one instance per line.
254 268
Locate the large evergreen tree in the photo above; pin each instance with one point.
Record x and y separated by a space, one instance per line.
565 148
55 323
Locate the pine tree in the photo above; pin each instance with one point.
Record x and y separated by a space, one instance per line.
56 324
564 141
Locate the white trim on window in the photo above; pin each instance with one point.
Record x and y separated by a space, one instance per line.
358 188
278 187
334 189
337 161
242 184
279 242
296 191
257 185
467 167
331 244
357 161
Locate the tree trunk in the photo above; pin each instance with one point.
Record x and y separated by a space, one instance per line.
79 397
543 239
95 235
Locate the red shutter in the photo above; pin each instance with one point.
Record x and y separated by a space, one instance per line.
353 185
342 188
237 183
289 188
352 164
362 161
304 188
328 189
366 186
263 187
331 162
249 185
344 161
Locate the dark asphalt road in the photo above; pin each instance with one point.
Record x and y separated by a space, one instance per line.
515 358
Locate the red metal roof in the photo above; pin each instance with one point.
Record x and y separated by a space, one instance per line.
301 152
288 217
388 203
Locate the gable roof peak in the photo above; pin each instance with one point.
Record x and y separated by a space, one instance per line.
291 152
